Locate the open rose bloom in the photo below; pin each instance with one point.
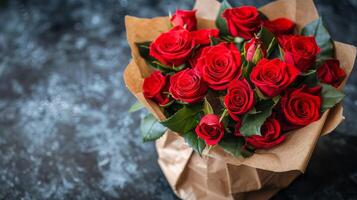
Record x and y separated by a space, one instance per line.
241 115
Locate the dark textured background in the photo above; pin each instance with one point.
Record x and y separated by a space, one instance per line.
64 129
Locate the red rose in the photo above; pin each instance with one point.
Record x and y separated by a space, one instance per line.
300 51
331 73
301 106
270 135
252 47
173 47
203 36
187 86
219 65
273 76
242 21
210 129
185 18
239 98
155 86
280 26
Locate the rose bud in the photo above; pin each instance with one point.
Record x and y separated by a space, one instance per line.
219 65
155 86
301 106
242 21
187 86
273 76
173 47
280 26
210 129
239 99
300 51
331 73
203 36
254 50
185 18
270 135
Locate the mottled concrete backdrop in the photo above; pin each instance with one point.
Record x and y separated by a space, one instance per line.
64 129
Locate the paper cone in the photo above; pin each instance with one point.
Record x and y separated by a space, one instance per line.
218 175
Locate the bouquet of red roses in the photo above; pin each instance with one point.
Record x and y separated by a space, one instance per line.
245 83
241 83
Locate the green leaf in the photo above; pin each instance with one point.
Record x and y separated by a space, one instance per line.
144 49
247 69
323 38
214 41
308 78
207 108
220 21
184 119
151 129
135 107
232 144
272 47
251 123
195 142
268 39
330 96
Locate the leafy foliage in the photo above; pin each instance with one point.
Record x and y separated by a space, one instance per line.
252 122
323 38
232 144
268 39
194 141
330 97
184 119
151 129
220 21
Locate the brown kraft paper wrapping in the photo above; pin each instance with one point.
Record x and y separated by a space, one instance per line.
217 174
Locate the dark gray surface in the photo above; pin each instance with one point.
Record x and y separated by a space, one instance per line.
64 129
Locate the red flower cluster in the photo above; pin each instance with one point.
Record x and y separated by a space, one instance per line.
242 72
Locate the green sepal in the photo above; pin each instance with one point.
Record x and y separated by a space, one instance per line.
207 108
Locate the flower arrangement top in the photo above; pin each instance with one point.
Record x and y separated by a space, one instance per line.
242 85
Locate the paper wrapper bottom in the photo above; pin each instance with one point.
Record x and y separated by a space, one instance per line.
194 177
